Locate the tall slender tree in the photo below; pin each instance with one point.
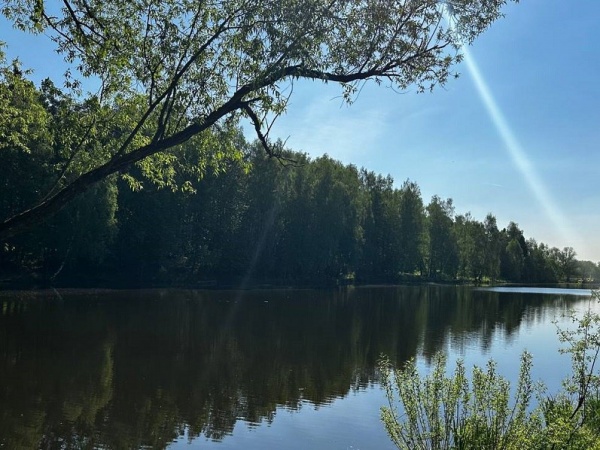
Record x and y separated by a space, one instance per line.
441 246
410 226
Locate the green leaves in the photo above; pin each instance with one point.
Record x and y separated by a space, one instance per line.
23 120
170 70
193 56
453 412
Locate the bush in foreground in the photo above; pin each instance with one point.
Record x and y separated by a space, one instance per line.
458 412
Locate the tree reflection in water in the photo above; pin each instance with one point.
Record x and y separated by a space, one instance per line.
129 369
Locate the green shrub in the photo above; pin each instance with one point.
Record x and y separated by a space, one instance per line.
441 412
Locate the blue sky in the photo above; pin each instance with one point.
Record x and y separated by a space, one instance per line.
540 64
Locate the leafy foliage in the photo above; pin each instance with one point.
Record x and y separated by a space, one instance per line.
170 71
229 213
285 219
453 412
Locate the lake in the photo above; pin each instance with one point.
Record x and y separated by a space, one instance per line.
255 369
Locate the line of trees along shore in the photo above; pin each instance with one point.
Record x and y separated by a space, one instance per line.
246 218
175 81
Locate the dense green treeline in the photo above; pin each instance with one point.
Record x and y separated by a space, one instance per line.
229 213
315 222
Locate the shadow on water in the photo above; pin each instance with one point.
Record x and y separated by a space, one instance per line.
128 369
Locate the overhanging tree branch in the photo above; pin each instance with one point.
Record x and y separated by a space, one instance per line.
122 162
184 68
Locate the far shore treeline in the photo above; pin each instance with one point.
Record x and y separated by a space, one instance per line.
149 181
235 217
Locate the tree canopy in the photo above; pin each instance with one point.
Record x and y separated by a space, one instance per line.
255 221
171 71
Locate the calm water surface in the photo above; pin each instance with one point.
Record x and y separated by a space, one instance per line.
292 369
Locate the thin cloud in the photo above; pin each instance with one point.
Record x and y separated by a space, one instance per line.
341 132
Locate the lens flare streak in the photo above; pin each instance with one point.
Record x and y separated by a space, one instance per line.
516 152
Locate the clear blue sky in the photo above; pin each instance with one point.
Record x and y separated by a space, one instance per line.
536 162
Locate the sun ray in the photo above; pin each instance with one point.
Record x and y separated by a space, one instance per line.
515 150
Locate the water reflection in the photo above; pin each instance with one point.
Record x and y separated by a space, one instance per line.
135 369
540 290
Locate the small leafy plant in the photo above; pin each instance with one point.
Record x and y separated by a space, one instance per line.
443 412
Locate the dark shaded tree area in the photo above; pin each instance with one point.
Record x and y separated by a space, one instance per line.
224 211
